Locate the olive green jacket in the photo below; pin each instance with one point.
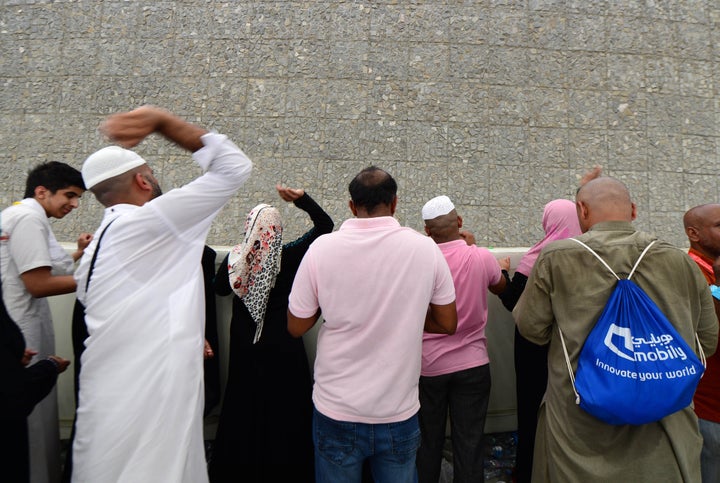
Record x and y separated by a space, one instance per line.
568 289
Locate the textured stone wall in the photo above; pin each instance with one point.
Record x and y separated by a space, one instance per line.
499 104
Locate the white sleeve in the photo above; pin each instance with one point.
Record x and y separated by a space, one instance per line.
28 244
193 207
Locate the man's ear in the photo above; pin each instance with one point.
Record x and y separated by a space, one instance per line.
692 234
142 182
460 221
427 230
393 205
351 205
582 210
634 211
41 192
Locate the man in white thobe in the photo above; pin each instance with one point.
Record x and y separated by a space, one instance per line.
140 406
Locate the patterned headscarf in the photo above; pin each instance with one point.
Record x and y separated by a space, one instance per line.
560 221
253 265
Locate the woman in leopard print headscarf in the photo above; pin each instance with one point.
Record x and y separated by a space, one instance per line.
254 264
265 429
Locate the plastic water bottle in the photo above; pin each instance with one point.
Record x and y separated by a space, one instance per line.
497 451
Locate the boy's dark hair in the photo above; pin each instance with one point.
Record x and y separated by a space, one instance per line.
54 176
372 187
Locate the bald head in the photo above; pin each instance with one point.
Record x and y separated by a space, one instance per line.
702 227
700 215
604 199
444 228
373 192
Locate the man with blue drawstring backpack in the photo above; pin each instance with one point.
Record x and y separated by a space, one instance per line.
567 292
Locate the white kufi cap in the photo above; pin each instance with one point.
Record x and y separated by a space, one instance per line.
438 206
107 163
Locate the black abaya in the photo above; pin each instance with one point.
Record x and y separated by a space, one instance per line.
531 377
265 428
21 389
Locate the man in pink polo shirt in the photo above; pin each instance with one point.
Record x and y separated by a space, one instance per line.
377 285
455 368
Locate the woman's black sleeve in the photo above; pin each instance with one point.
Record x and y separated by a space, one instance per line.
513 290
21 388
322 224
222 282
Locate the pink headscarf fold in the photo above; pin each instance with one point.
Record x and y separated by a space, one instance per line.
559 221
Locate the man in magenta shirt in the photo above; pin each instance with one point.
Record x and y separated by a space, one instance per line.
455 368
377 285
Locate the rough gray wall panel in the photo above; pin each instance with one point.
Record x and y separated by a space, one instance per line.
501 104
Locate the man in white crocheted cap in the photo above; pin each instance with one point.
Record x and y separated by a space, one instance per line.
139 416
455 370
107 173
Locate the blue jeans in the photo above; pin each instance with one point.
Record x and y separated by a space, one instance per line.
341 448
710 456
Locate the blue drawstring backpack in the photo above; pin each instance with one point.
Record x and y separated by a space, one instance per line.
634 367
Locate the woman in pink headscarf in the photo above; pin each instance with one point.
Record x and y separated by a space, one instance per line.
559 221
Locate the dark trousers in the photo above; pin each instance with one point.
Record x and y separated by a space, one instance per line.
14 452
530 382
465 394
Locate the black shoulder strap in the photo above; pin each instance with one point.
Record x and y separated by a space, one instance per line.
97 249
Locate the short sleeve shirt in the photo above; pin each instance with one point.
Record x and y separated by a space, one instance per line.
473 269
373 281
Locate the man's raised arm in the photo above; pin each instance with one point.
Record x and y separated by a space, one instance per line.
128 129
